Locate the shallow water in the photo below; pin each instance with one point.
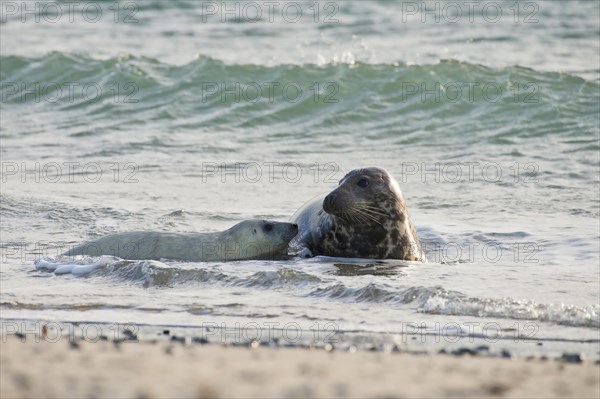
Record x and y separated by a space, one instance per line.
491 128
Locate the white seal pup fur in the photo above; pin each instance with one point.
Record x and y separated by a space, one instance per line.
247 240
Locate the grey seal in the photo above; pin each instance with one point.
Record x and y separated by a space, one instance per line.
247 240
364 217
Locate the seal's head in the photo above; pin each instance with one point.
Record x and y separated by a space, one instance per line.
364 195
262 239
364 217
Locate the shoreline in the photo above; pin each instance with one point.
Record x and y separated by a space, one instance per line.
412 338
155 368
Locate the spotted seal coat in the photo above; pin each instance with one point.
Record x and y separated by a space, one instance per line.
364 217
250 239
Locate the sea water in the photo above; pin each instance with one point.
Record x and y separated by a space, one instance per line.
191 116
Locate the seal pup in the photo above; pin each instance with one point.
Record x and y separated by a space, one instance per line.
247 240
364 217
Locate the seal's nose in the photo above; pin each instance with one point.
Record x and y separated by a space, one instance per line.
329 200
295 226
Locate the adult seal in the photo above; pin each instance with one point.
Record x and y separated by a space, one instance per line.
247 240
364 217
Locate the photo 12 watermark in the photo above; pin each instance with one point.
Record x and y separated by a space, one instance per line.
49 255
270 172
490 252
324 12
56 331
68 92
470 331
271 92
331 172
469 172
469 92
255 333
71 12
136 246
69 172
205 332
131 12
470 12
20 92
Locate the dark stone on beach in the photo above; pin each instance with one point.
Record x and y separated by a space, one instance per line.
464 351
505 354
540 344
166 332
442 352
269 344
103 338
117 343
237 344
597 362
395 348
199 340
370 347
73 345
130 335
571 358
482 348
175 338
290 345
19 335
496 389
274 343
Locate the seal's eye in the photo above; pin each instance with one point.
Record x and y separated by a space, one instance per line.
268 227
363 183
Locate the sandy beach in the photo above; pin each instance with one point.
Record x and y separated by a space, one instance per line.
463 132
148 369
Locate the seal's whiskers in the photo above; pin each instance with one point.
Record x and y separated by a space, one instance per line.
359 212
369 208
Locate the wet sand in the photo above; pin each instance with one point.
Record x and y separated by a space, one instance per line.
159 369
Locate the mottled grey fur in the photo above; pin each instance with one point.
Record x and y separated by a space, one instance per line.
359 222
